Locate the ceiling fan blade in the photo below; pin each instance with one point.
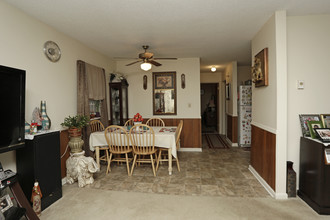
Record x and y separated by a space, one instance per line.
165 58
133 63
154 63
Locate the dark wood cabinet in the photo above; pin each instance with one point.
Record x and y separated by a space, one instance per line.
118 102
314 176
39 161
11 189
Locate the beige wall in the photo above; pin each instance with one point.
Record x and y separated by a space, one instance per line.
21 42
264 98
243 74
231 78
269 103
188 99
308 60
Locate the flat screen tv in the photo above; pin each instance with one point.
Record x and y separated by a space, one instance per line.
12 108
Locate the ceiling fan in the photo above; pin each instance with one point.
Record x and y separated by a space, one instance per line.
147 58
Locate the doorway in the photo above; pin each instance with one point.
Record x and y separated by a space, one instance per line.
210 107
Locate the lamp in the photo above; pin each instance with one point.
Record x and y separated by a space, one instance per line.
213 69
145 66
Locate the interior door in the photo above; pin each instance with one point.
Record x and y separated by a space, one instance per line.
210 107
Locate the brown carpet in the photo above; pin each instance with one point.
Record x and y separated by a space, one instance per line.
215 141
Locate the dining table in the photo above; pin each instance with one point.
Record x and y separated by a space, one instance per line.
165 137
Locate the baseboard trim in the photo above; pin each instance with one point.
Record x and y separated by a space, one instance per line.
262 181
64 181
231 143
190 149
266 186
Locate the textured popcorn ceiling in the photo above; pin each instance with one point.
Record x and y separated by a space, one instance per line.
217 31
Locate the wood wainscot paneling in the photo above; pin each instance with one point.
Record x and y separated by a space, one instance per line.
232 128
263 154
64 140
191 134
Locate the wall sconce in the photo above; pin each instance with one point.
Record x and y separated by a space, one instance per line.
213 69
145 66
145 82
183 81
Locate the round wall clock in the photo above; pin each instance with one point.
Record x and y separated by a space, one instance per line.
52 51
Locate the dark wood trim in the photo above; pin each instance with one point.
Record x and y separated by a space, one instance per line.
263 154
232 128
191 135
64 140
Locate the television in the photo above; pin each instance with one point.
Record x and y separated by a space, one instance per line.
12 109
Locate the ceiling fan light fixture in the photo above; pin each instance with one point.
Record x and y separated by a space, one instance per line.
213 69
145 66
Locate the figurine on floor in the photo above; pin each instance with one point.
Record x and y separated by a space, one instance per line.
80 168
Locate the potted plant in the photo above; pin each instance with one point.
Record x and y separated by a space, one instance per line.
75 124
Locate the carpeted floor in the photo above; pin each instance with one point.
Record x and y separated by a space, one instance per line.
213 184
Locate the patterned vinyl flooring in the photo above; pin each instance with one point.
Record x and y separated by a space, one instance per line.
213 172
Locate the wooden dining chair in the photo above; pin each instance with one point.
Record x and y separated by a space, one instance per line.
155 122
163 157
142 139
129 122
96 125
118 142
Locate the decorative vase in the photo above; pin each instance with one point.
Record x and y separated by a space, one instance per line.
291 180
27 127
75 143
45 119
137 123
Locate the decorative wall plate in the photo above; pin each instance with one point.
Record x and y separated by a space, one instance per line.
52 51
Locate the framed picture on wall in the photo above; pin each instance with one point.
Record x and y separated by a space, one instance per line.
260 68
303 123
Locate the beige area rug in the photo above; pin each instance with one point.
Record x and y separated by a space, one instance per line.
87 204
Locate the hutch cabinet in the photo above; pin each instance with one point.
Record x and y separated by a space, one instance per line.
118 102
40 161
314 175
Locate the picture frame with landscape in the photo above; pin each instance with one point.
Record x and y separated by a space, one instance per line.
325 118
314 125
303 122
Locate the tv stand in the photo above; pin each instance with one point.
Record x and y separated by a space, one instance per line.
40 161
11 187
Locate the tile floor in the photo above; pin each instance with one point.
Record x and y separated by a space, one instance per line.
213 172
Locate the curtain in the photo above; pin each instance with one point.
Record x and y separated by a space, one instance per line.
91 83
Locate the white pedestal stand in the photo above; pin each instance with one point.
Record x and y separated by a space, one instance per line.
81 168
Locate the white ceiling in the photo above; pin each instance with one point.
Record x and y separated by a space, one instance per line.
217 31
